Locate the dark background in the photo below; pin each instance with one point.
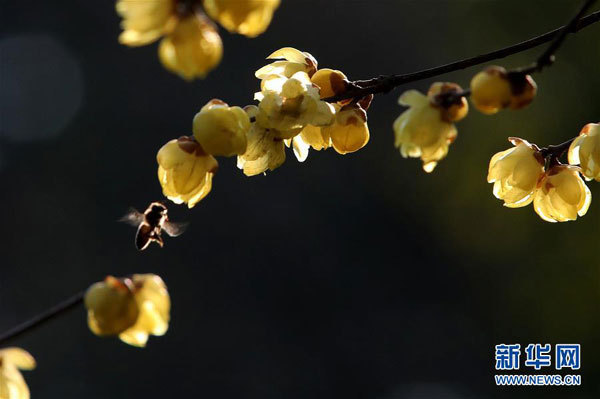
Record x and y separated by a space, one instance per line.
346 276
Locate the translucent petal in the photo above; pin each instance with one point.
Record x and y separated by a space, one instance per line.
18 357
290 54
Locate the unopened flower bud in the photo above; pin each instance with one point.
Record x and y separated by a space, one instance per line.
220 129
193 49
349 132
111 306
331 82
494 89
185 171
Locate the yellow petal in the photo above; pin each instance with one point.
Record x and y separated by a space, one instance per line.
145 21
17 357
248 17
289 54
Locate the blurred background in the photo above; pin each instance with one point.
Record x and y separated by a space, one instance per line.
345 276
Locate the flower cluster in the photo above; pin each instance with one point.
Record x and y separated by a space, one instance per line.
12 384
426 129
291 112
132 308
297 108
191 45
525 174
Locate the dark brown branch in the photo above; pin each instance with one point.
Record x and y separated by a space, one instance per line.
41 318
386 83
556 151
547 57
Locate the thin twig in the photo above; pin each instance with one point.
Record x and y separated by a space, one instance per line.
385 84
557 150
547 57
38 320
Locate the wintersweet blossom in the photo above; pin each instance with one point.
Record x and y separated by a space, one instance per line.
185 171
423 130
154 304
331 82
265 151
349 132
515 173
446 96
562 194
221 129
132 308
494 89
287 105
193 48
111 306
585 151
248 17
12 383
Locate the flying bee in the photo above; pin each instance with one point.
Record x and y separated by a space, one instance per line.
150 225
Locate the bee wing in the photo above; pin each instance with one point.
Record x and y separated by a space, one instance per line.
174 229
132 217
143 237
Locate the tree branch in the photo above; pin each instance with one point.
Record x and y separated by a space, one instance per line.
547 57
41 318
386 83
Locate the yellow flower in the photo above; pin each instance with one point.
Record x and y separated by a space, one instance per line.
154 306
12 384
132 308
294 61
287 105
421 130
349 132
248 17
562 195
111 306
516 172
446 96
220 129
145 21
330 82
585 150
494 89
264 152
193 48
185 171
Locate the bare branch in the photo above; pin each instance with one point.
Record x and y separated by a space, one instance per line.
385 84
